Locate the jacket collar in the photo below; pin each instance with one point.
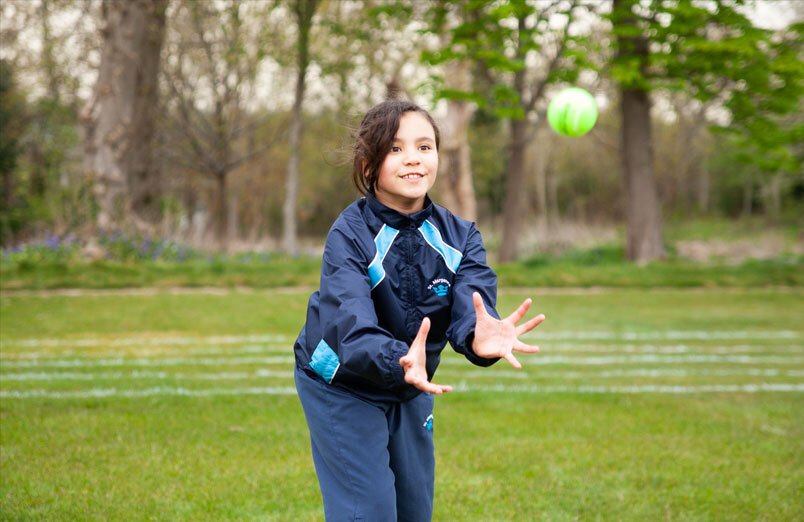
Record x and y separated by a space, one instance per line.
397 220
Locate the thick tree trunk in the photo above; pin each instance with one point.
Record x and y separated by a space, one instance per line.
144 176
512 211
304 11
119 120
644 237
644 227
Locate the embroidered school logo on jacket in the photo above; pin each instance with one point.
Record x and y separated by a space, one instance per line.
440 287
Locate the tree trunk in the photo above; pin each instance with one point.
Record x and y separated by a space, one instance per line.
304 11
644 237
512 211
119 120
773 197
748 199
47 53
221 212
540 150
553 210
233 227
702 190
457 186
144 175
644 227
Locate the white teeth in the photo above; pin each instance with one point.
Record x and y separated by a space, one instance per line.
409 176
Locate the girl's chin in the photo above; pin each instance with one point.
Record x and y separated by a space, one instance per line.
402 201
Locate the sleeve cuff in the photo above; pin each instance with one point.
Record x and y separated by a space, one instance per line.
396 374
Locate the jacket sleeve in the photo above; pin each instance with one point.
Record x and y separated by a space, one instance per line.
365 351
474 275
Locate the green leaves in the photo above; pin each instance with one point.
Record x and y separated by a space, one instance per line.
510 45
715 53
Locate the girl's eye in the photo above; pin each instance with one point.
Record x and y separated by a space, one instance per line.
396 149
425 147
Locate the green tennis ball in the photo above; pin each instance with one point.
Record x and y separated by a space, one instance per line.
572 112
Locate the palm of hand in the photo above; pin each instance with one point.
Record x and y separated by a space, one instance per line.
500 337
415 363
493 338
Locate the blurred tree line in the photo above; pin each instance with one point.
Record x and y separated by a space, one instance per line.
224 123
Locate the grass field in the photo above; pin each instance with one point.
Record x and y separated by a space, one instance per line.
643 405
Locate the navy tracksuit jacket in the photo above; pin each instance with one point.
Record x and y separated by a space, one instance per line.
382 273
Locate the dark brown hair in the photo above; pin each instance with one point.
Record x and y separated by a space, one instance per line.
374 138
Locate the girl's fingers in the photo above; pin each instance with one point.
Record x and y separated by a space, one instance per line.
511 359
529 325
424 329
480 310
426 386
525 348
520 312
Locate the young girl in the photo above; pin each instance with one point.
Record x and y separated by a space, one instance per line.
400 277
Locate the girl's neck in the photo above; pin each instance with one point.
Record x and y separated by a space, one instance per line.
403 207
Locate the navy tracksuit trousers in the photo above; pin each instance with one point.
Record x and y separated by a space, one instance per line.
374 460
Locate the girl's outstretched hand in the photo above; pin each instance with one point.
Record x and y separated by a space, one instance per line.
414 363
500 338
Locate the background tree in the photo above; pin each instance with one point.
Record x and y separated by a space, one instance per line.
12 122
303 12
457 183
48 46
517 52
119 120
644 232
214 54
713 52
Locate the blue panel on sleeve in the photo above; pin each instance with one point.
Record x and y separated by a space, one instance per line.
433 237
383 241
324 361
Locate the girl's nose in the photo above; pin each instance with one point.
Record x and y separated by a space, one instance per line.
412 158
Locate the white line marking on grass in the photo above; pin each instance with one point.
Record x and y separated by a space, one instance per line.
148 352
616 374
701 335
767 350
673 348
148 392
544 360
150 341
160 340
112 376
289 390
448 374
537 360
660 388
257 349
141 361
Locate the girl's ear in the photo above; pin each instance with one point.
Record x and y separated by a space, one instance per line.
365 169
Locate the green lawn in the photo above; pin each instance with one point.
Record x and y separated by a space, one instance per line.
643 405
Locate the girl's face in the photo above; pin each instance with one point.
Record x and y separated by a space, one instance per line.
410 168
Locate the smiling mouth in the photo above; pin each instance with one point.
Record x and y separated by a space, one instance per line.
413 175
